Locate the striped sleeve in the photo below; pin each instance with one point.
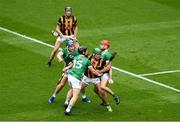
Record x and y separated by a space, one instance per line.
75 21
60 21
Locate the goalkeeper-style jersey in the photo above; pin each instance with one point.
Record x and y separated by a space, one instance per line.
69 56
81 63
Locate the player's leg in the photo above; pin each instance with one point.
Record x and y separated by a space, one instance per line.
53 52
58 88
76 88
97 87
110 76
104 82
101 93
73 100
104 86
68 97
85 83
98 91
83 91
103 96
57 45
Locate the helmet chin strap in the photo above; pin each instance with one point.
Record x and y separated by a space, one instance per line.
103 49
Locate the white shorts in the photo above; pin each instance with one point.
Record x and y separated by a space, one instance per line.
87 80
63 38
74 82
105 76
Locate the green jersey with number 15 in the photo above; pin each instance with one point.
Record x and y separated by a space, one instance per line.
81 63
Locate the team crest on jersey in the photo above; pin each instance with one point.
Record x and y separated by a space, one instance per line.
71 56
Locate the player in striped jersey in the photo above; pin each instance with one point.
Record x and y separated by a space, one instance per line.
66 28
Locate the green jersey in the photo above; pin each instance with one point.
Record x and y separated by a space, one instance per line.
106 55
81 63
68 56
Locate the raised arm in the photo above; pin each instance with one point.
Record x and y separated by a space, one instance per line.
106 68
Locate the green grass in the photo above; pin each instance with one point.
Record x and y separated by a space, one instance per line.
144 33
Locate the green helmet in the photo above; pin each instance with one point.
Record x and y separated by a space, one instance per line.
97 51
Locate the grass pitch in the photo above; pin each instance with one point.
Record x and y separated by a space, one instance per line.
146 35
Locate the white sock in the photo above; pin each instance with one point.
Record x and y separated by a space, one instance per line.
67 100
83 96
68 108
54 95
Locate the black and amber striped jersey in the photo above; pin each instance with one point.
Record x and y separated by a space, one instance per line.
96 64
67 25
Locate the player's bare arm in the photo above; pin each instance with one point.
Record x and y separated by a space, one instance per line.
106 68
75 33
60 56
58 30
94 71
68 67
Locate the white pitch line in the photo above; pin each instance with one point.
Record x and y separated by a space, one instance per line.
115 68
26 37
146 79
158 73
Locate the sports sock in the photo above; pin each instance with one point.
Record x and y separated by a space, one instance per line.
54 95
68 108
113 95
83 96
67 100
108 107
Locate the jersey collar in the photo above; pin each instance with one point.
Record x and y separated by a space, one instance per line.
106 50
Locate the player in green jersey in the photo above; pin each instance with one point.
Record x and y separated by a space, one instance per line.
80 64
67 55
107 71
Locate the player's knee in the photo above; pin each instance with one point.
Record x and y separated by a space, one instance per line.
62 84
102 88
55 50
